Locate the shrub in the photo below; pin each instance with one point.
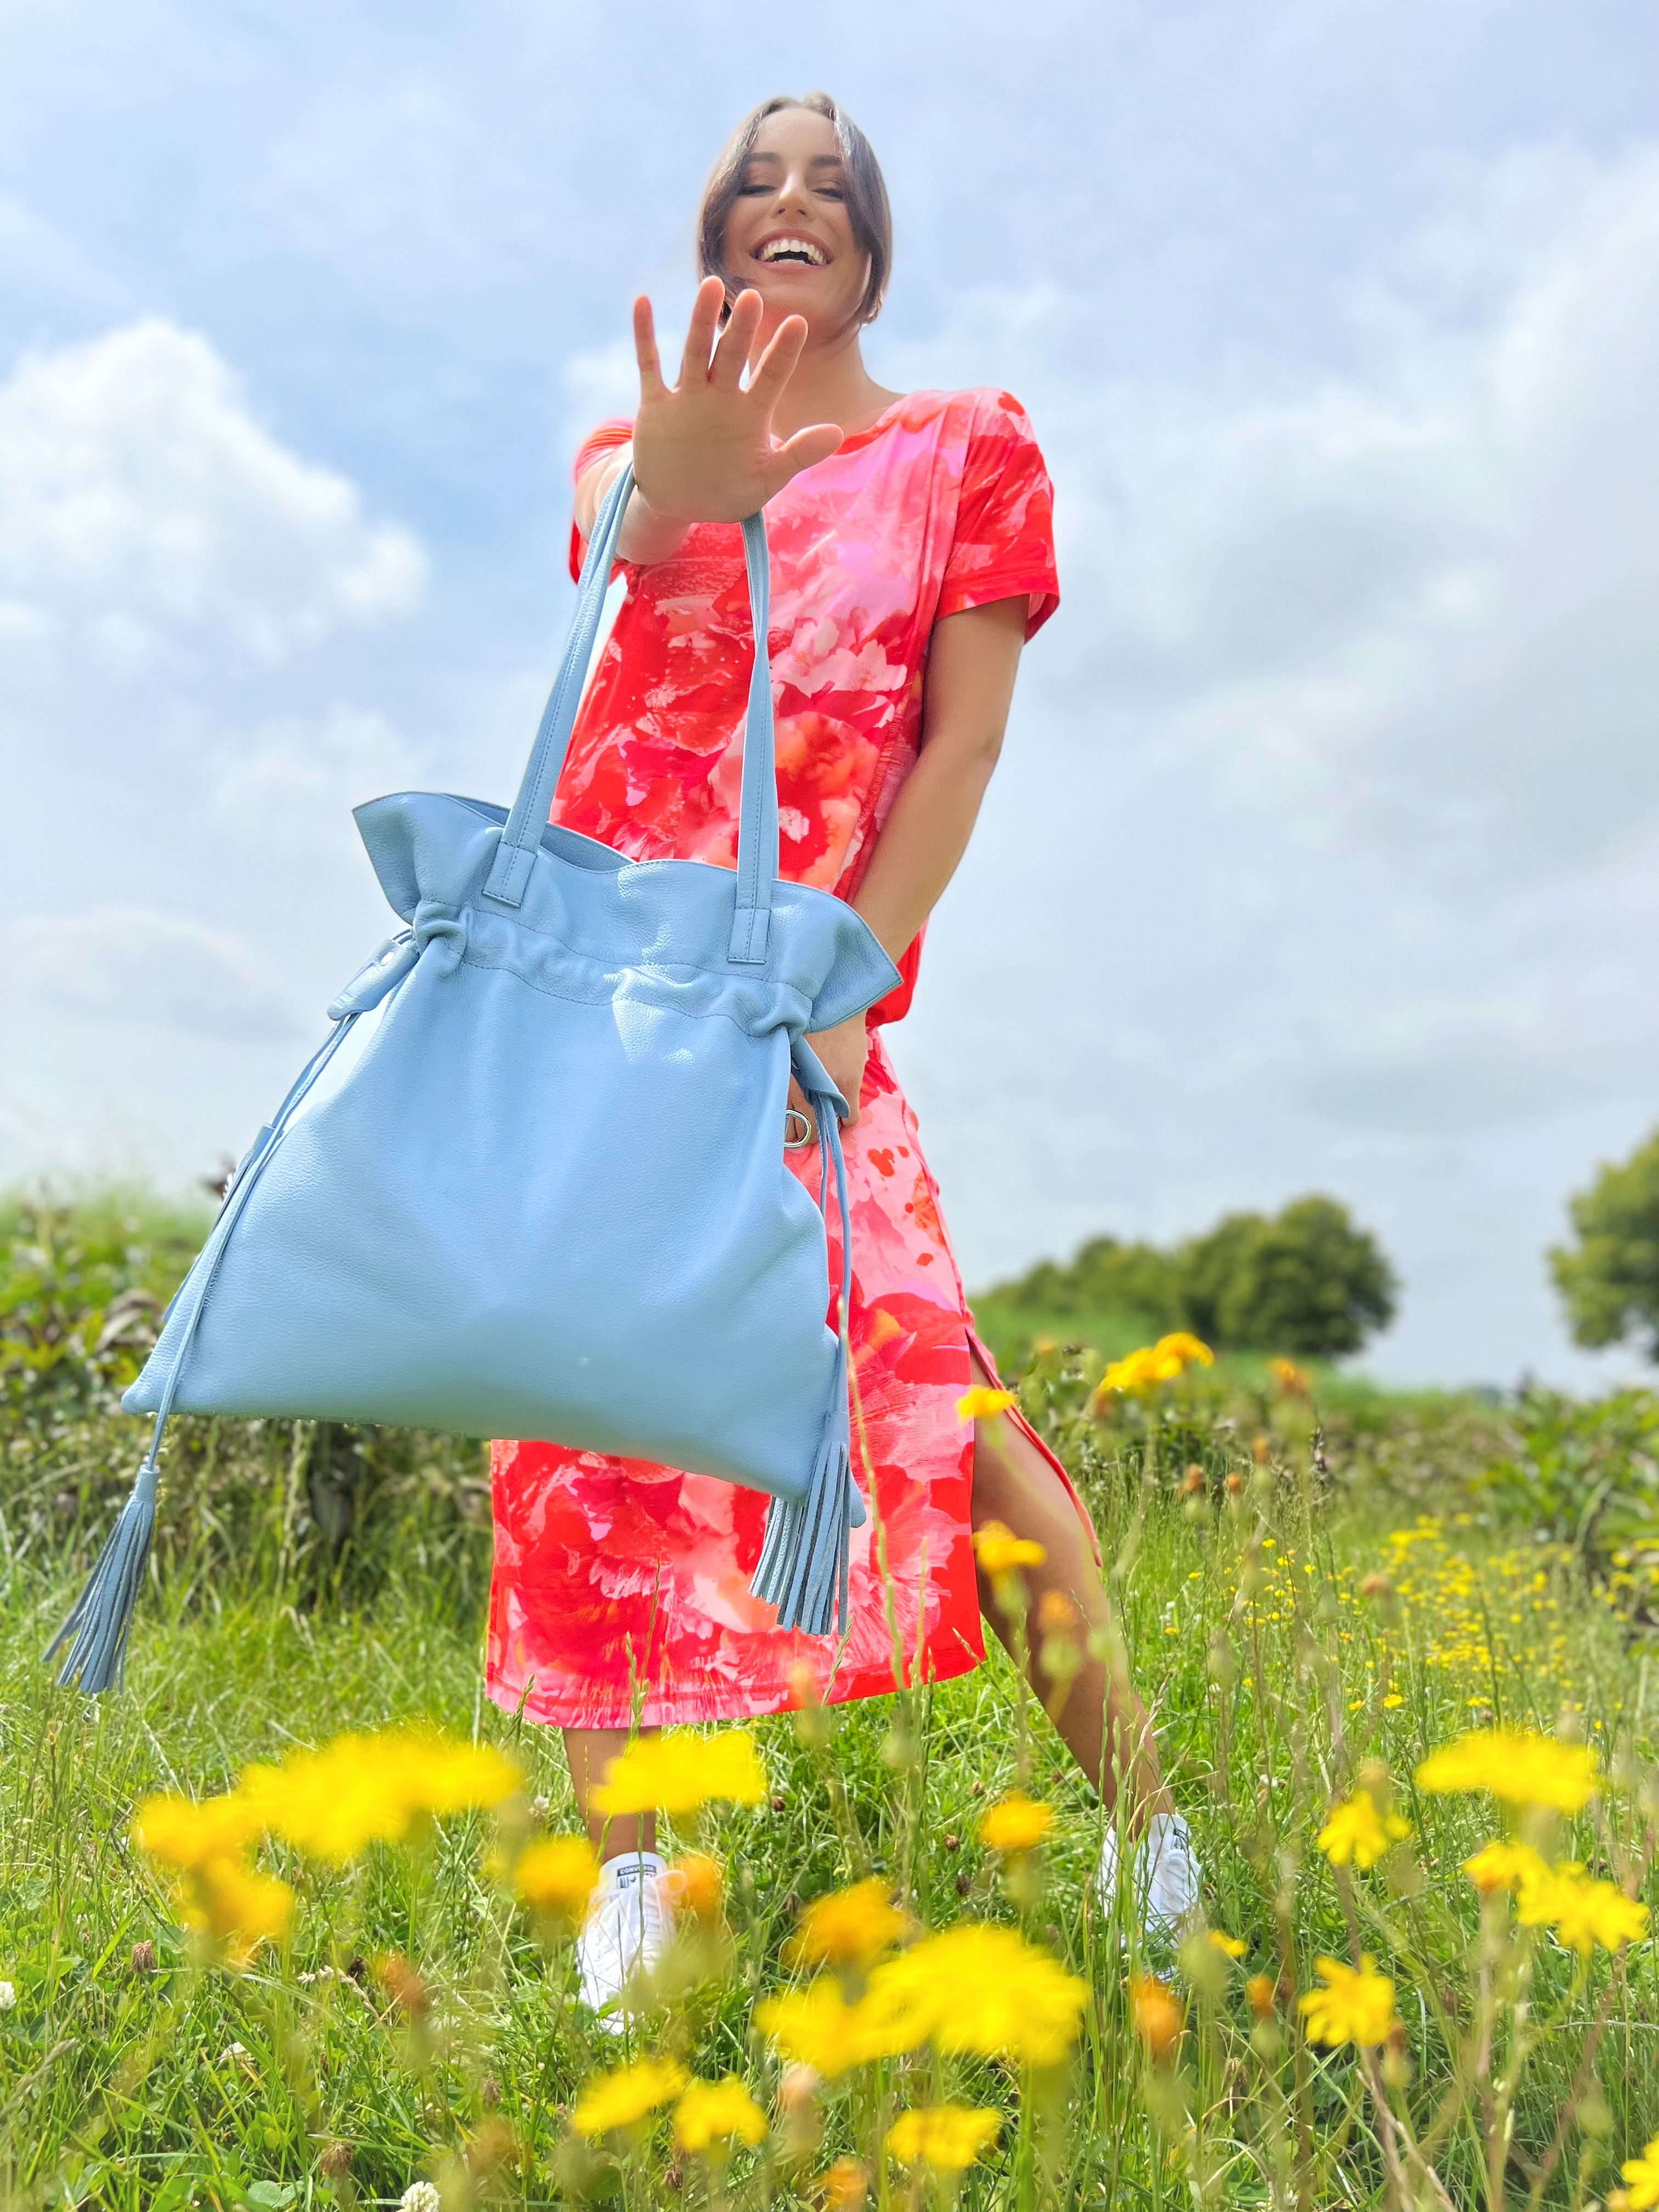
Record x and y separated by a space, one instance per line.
1610 1280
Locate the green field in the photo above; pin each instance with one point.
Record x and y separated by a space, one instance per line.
1311 1591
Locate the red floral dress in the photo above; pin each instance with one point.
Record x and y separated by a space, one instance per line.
621 1587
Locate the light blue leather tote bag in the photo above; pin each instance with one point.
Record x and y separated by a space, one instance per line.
546 1195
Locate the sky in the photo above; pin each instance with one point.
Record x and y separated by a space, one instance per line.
1324 851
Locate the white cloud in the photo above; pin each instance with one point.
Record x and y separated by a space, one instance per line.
140 499
138 965
295 785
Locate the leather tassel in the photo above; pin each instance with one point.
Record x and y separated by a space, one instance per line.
101 1619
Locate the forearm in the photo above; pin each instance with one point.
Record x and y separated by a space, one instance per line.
923 840
646 536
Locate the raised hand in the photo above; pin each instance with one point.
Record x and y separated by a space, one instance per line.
703 449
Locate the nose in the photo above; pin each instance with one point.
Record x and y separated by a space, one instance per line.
792 193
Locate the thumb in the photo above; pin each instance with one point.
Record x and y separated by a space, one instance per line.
803 451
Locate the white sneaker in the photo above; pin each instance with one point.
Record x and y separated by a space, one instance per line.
1164 1875
626 1931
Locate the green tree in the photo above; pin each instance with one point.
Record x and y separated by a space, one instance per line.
1309 1281
1207 1267
1610 1278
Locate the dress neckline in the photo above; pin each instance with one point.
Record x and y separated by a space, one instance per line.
857 438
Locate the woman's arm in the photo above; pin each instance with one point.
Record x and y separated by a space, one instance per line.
972 659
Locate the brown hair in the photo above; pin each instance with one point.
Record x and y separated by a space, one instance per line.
867 208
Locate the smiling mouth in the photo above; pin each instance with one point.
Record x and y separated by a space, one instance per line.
794 253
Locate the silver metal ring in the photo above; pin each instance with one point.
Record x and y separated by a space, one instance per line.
796 1143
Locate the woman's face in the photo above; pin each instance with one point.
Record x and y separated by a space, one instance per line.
788 236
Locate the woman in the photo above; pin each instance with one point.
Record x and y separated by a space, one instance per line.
912 557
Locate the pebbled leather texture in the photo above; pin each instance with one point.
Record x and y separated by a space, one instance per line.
549 1198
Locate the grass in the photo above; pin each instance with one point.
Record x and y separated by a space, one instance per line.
1281 1669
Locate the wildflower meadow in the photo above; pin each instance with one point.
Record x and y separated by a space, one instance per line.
289 1922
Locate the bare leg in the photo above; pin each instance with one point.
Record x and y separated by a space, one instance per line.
1102 1722
590 1750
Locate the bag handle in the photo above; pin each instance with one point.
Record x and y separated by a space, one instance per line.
758 811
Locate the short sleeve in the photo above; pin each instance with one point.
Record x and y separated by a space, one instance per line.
1004 544
593 447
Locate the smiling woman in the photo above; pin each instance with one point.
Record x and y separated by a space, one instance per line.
911 557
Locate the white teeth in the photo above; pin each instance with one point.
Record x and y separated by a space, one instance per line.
776 248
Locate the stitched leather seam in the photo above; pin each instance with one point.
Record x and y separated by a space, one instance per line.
665 1002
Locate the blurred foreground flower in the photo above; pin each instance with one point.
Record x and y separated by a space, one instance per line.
999 1551
981 1990
556 1876
947 2137
1355 2006
217 1890
618 2098
1293 1380
1157 2014
363 1789
1642 2175
717 2111
1517 1765
678 1773
697 1885
816 2026
1016 1823
1356 1832
852 1927
978 1404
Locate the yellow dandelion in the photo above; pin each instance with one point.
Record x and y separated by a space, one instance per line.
947 2137
816 2026
697 1885
978 1404
1157 2014
1290 1378
1515 1764
181 1832
1583 1913
981 1990
1000 1550
1642 2174
333 1803
1515 1867
556 1876
1016 1823
718 2112
1356 1833
618 2100
851 1927
1355 2006
1233 1946
678 1773
235 1907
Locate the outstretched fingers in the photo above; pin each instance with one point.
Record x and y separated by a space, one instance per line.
776 365
645 351
732 354
803 451
700 332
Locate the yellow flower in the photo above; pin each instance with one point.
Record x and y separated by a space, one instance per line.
978 1403
816 2026
1016 1823
697 1883
618 2098
717 2111
979 1990
1517 1765
181 1832
1232 1945
678 1773
1000 1550
1354 2007
361 1789
1153 1364
1642 2175
1507 1866
557 1875
238 1907
1356 1832
947 2137
1584 1913
1158 2016
851 1927
1288 1377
